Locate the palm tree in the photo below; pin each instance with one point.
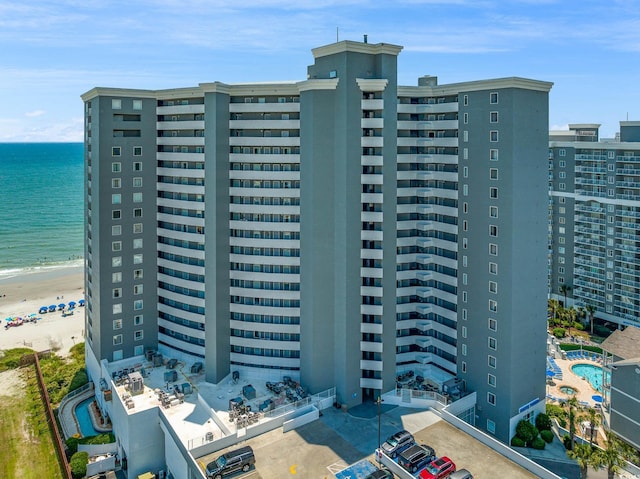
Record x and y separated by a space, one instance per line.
591 309
584 455
572 314
592 417
613 456
573 405
554 307
564 289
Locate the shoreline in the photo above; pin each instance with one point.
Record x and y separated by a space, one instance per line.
25 292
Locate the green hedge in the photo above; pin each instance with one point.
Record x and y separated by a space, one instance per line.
574 347
546 435
538 443
517 442
72 442
78 464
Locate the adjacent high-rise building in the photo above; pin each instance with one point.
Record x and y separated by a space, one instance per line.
594 211
340 230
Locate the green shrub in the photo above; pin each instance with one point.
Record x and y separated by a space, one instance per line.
72 445
78 464
566 440
543 422
538 443
546 435
559 332
105 438
526 431
576 347
578 325
79 379
517 442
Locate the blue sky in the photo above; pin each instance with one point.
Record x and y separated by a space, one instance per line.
55 50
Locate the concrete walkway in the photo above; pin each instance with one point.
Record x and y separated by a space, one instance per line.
68 421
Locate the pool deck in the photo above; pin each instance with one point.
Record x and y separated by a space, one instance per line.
584 389
67 415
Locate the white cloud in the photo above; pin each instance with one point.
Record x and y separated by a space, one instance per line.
35 113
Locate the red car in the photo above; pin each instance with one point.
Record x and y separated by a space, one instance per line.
441 467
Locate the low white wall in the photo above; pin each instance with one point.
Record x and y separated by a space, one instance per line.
98 449
107 464
305 418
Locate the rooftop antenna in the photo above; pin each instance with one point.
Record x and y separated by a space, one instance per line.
365 38
337 36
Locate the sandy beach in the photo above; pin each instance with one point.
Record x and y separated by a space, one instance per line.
24 294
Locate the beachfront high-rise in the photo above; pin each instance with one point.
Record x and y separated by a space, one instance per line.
594 211
339 230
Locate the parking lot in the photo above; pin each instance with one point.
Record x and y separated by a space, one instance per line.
324 447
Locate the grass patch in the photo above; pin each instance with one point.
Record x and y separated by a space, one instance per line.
27 447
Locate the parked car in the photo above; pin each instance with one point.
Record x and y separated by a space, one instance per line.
397 443
230 462
416 457
439 468
461 474
380 474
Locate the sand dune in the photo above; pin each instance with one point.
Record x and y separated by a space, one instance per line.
24 294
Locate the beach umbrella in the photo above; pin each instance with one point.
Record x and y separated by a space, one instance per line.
81 302
43 309
61 306
597 398
52 308
72 303
550 373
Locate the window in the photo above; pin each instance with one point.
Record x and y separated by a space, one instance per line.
562 175
493 173
116 214
117 292
137 258
465 225
493 343
561 260
137 289
464 296
138 335
493 211
137 197
116 230
562 200
493 306
465 118
465 243
493 230
137 243
116 167
116 308
561 220
493 287
465 172
465 100
464 314
116 277
137 182
137 104
491 380
138 304
116 261
493 268
116 151
464 366
138 319
493 324
465 190
491 426
493 117
465 136
464 349
493 135
493 192
493 249
137 212
491 399
562 186
562 152
116 245
115 182
561 269
138 350
117 339
465 153
116 104
491 362
116 199
465 277
493 154
611 208
137 274
137 166
464 331
562 163
137 228
117 324
465 207
493 97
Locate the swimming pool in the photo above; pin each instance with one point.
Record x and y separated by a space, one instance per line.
81 412
591 373
568 390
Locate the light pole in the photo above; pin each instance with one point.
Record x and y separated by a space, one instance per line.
379 401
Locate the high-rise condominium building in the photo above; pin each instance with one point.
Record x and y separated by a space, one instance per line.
594 210
339 230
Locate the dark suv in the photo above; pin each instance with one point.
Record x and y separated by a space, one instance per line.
397 443
230 462
416 457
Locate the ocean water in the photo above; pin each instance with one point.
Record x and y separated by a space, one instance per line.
41 206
